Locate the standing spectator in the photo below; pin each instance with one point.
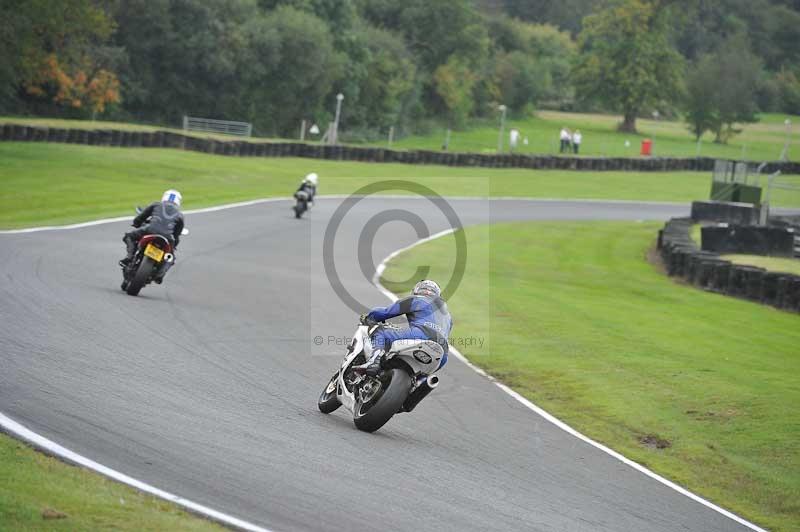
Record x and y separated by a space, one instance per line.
565 140
513 139
576 140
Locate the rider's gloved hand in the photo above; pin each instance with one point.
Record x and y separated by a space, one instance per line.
366 320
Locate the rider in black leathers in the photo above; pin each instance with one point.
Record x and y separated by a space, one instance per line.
162 218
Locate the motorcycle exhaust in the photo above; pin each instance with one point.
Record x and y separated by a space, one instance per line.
169 257
423 389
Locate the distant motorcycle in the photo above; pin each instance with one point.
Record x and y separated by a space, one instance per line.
153 258
407 377
302 203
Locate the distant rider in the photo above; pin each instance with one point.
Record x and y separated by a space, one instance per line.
161 218
309 186
428 319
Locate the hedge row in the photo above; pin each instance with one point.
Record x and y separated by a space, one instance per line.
682 258
167 139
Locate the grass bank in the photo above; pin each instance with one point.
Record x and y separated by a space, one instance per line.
40 493
61 183
762 141
699 387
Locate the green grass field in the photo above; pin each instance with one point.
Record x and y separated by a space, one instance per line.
61 183
576 319
760 141
35 486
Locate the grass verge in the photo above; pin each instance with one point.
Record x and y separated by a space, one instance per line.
60 183
40 493
762 141
699 387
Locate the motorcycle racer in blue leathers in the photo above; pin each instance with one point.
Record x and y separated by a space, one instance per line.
428 319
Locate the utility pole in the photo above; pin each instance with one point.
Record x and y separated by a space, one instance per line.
339 98
502 109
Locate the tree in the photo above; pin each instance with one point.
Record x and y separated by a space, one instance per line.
389 87
185 56
454 82
531 62
437 32
721 90
565 14
289 67
626 60
50 53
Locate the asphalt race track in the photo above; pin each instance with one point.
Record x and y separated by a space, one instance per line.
207 385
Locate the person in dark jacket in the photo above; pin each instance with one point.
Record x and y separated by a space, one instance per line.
428 319
309 186
161 218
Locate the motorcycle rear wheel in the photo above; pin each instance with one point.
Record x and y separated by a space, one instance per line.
328 402
140 278
374 414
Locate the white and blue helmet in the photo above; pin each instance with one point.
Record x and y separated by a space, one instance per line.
172 196
311 178
426 287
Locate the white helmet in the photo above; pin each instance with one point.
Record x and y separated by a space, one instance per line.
426 287
172 196
311 178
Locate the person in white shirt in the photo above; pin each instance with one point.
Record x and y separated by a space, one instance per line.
565 139
576 140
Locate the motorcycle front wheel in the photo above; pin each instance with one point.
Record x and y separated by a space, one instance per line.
372 414
140 277
328 402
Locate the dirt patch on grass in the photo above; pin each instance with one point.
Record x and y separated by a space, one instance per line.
49 513
654 441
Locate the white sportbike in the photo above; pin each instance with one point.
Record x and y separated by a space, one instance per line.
406 377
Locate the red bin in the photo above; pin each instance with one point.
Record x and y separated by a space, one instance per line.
647 147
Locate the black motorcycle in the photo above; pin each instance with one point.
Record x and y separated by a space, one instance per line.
153 258
302 203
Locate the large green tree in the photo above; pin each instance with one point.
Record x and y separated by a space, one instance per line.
721 90
185 56
289 67
626 60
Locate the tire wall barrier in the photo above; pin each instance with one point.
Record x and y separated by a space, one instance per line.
706 270
168 139
725 211
749 240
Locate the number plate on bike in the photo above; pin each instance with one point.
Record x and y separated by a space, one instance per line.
154 253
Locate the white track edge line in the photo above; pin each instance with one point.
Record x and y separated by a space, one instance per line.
332 196
124 218
42 443
549 417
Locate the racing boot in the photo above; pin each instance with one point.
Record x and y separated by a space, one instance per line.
373 366
131 245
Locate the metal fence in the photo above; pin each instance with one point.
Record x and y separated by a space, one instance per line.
225 127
